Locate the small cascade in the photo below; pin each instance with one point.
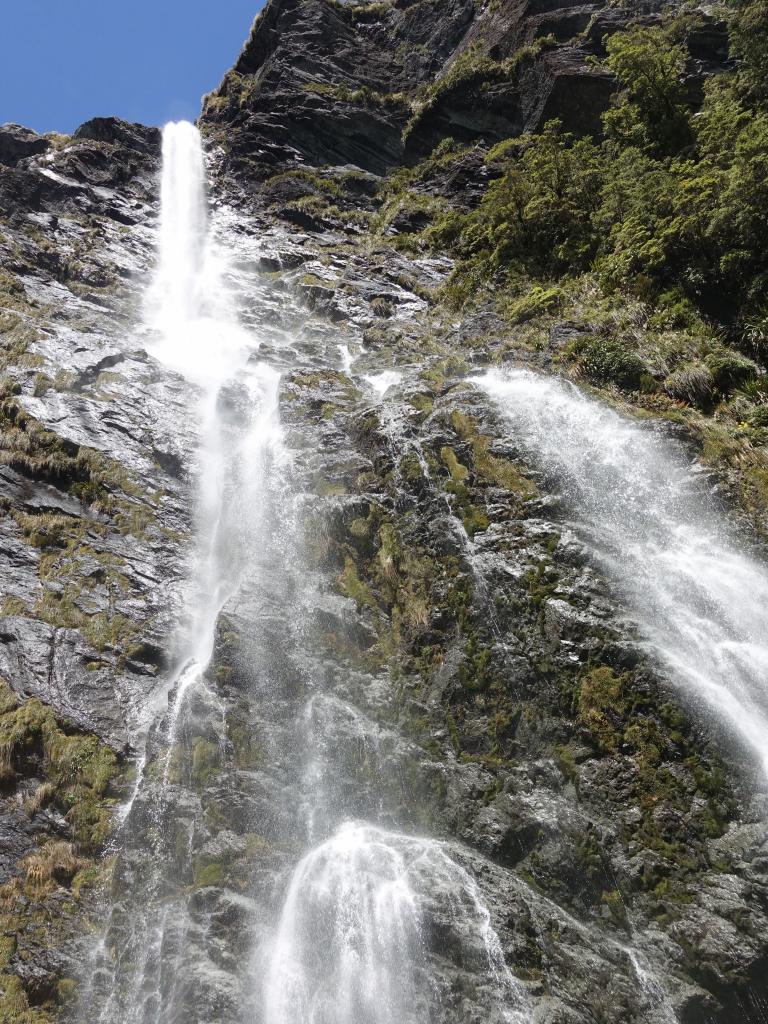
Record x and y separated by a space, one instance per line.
652 988
347 359
349 936
382 382
700 601
352 943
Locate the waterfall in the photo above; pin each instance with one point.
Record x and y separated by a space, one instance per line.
145 968
183 226
199 337
361 919
348 939
351 943
699 600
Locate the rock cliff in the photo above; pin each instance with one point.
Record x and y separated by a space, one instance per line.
382 84
474 676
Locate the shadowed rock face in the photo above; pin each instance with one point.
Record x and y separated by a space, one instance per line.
448 618
331 83
17 142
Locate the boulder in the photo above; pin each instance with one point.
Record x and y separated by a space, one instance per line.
17 142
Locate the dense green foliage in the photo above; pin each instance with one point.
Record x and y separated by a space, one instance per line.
636 258
671 204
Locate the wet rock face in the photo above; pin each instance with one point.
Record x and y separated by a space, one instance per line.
422 643
93 512
470 677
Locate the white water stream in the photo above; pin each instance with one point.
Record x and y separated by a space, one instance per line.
199 337
235 406
700 601
350 945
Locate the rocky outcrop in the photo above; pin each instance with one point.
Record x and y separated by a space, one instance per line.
132 137
378 84
17 142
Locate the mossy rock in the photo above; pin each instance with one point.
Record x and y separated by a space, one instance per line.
39 906
206 762
601 706
210 875
79 769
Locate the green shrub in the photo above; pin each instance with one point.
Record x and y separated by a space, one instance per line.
471 74
652 109
730 370
608 361
691 382
538 300
754 338
312 179
749 42
668 206
209 875
537 217
601 706
78 769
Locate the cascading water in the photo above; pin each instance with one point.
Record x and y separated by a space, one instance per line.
198 336
179 287
698 599
348 938
143 967
350 947
369 913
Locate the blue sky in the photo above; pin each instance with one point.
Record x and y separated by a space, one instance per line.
64 61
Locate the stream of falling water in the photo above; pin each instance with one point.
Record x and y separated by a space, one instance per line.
350 945
200 338
698 599
136 974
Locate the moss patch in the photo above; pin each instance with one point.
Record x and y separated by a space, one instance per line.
78 774
78 770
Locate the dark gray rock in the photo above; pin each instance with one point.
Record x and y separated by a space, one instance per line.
411 640
17 142
125 133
